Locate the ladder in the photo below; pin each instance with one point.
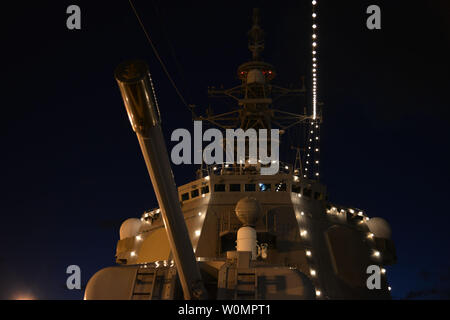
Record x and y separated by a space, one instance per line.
246 285
144 285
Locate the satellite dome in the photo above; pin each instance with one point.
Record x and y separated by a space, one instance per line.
380 228
130 228
248 211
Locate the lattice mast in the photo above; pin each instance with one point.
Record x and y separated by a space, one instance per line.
257 97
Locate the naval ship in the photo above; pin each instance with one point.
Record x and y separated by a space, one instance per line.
234 233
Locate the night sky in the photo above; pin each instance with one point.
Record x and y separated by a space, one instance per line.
71 167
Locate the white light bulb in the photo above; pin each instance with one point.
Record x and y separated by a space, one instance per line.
308 253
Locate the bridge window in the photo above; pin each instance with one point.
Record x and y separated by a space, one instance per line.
296 189
264 187
205 189
185 196
195 193
307 192
251 187
219 187
235 187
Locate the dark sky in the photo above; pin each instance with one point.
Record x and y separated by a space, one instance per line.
71 168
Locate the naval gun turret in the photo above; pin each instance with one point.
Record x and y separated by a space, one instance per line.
140 102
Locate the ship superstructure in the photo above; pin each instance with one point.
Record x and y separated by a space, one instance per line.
254 236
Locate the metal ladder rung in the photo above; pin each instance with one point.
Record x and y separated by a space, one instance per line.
246 274
141 293
251 284
144 273
140 282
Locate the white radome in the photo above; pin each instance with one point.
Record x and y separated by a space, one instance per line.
130 228
246 240
379 227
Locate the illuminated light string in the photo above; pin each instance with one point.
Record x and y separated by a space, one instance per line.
312 162
308 252
314 58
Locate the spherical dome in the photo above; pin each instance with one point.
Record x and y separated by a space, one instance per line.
130 228
380 228
248 210
255 76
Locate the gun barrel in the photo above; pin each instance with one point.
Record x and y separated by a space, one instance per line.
137 91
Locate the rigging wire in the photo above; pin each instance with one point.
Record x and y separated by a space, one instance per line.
162 20
160 60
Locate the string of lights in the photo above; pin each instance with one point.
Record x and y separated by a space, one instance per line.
313 149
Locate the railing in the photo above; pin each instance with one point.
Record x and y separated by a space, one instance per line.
241 169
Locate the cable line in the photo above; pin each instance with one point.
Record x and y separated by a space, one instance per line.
159 59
